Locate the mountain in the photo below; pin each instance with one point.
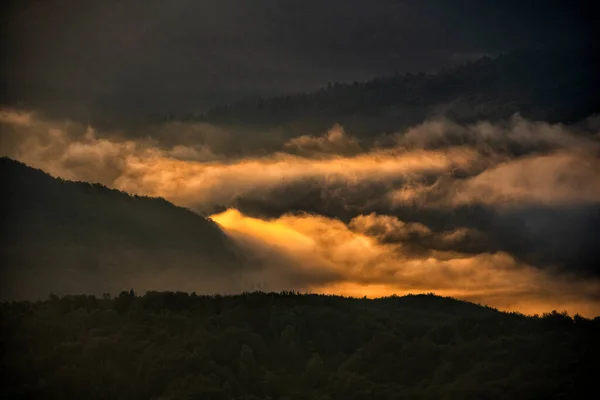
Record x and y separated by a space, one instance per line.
75 237
552 85
252 346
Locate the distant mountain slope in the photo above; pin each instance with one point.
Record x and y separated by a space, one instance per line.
75 237
558 86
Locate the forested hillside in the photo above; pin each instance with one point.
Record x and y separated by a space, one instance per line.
555 86
290 346
75 237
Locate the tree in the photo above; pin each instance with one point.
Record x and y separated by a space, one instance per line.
315 371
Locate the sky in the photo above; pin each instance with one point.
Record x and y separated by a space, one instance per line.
504 213
154 56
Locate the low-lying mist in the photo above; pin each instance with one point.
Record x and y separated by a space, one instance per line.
505 214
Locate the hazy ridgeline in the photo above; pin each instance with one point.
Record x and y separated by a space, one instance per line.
173 345
553 86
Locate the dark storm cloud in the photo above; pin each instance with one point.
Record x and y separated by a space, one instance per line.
145 56
566 238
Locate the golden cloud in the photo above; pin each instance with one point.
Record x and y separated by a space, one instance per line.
369 267
335 141
373 254
557 178
140 166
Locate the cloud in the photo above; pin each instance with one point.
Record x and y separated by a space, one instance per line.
515 136
416 237
16 117
223 180
505 212
189 176
389 228
519 163
335 141
554 179
561 178
364 265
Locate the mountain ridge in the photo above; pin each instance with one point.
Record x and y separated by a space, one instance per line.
89 234
553 85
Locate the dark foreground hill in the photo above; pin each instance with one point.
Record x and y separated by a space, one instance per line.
75 237
290 346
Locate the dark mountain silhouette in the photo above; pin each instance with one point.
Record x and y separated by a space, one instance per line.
550 85
76 237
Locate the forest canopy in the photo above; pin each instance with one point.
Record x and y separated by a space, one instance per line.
174 345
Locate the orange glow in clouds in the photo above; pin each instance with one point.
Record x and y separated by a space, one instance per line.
373 269
352 259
